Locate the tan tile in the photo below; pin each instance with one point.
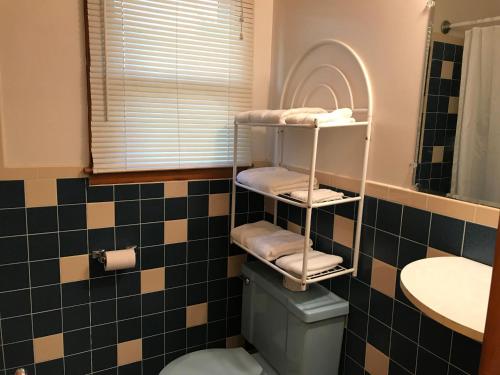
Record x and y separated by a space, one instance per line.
175 189
433 253
437 154
347 183
234 264
376 362
451 207
269 205
152 280
175 231
384 278
218 204
48 348
235 341
343 231
292 227
196 315
487 216
40 192
323 178
100 215
408 197
74 268
453 104
376 190
129 352
447 70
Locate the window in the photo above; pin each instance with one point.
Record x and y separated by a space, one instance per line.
166 78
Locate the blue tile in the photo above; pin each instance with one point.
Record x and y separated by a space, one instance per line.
479 243
389 216
465 353
410 251
435 337
428 363
406 320
71 190
379 335
381 307
446 234
12 222
386 247
415 225
11 194
437 50
403 351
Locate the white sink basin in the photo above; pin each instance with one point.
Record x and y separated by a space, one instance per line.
451 290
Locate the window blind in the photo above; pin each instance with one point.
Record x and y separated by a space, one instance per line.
166 78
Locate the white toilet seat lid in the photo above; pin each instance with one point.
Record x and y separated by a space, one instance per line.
214 361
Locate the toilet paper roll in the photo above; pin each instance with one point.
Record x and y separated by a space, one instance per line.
119 259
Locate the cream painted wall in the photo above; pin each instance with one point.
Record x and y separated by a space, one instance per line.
43 84
389 35
43 98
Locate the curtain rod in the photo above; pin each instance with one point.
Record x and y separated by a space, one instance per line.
446 26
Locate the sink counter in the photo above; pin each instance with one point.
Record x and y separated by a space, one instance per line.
451 290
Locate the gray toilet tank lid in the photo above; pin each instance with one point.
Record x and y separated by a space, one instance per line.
313 305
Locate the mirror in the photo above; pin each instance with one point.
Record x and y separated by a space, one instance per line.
459 141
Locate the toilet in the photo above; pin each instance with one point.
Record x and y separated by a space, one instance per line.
297 333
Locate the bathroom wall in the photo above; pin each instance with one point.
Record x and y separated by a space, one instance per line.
440 117
62 314
385 333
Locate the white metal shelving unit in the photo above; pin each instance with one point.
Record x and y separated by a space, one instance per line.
304 279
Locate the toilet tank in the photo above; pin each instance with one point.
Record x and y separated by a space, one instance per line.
297 333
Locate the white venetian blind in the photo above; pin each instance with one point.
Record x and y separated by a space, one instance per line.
166 78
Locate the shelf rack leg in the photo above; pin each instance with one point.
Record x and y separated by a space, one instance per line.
235 170
307 233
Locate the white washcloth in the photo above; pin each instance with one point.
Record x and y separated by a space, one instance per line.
318 196
274 180
276 116
316 262
276 244
244 233
340 116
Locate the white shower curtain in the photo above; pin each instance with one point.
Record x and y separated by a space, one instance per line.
476 164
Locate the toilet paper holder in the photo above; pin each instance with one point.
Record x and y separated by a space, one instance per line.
100 255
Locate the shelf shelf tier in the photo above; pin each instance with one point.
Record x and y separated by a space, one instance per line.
285 199
326 125
325 275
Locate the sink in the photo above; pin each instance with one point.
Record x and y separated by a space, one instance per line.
451 290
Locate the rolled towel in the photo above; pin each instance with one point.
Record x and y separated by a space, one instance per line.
343 115
276 116
318 195
244 233
274 245
274 180
317 262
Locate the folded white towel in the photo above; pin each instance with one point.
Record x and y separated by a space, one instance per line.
276 244
318 196
244 233
317 262
274 180
276 116
343 115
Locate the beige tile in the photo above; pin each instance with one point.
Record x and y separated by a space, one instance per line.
292 227
376 190
384 278
269 205
74 268
100 215
343 231
175 189
234 264
408 197
451 207
433 253
487 216
235 341
376 362
453 104
196 315
347 183
129 352
152 280
323 178
48 348
447 70
218 204
175 231
40 192
437 154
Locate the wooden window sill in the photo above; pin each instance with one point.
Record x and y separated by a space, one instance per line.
158 176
